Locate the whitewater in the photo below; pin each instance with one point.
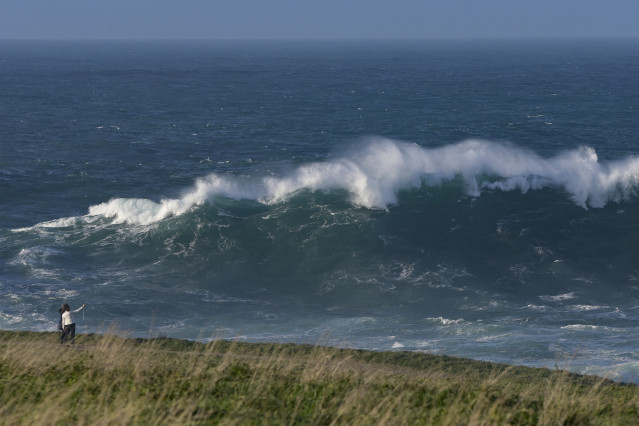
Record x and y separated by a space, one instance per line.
373 173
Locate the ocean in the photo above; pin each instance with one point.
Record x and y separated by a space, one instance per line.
473 198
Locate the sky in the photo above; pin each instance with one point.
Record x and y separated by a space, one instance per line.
316 19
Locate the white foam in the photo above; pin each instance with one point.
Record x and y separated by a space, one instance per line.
535 307
9 319
590 327
64 222
586 308
37 255
558 297
580 327
376 170
445 321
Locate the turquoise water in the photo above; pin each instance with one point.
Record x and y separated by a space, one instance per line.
468 198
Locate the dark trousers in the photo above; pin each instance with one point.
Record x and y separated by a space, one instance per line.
69 331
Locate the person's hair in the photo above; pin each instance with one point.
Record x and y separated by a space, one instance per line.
67 307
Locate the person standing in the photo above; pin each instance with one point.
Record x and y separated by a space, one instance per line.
68 326
60 311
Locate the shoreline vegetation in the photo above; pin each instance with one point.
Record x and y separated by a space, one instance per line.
108 379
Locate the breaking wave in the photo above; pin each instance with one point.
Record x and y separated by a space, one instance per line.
374 172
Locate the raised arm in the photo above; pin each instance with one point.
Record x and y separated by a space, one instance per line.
79 309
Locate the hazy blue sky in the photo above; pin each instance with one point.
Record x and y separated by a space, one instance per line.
316 19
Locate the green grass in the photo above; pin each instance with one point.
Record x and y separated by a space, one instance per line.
106 379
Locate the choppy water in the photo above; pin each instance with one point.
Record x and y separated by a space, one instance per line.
468 198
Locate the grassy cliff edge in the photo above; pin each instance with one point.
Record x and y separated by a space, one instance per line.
107 379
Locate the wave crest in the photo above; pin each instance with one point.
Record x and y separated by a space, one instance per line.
375 171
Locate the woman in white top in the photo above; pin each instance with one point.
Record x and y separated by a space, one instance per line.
68 326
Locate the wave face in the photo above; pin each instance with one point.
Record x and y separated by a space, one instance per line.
190 190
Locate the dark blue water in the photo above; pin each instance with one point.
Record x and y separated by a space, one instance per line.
469 198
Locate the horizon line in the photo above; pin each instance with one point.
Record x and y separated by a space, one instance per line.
266 39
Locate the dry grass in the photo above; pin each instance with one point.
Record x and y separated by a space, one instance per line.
113 380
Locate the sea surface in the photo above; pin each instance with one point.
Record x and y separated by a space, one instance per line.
469 198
